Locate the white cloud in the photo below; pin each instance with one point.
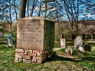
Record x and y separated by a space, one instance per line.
52 9
82 16
37 8
89 15
64 18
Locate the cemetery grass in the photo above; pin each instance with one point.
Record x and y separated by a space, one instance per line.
80 62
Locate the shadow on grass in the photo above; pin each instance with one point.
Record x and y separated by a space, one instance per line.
6 48
59 58
88 58
3 42
3 46
78 60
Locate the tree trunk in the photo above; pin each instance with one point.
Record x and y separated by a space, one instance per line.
10 12
28 8
33 6
57 19
15 9
39 14
45 8
22 8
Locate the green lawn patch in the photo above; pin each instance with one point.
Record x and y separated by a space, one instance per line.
58 63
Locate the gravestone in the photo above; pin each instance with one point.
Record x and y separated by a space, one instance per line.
62 41
83 36
92 36
87 47
81 49
78 42
84 48
73 36
10 40
69 50
35 40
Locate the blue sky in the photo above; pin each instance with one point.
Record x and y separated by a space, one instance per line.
85 14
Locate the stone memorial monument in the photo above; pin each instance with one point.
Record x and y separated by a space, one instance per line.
35 40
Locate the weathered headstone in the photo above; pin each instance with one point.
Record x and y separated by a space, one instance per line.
78 42
87 47
81 49
35 40
10 40
69 50
92 36
84 48
73 36
62 41
83 36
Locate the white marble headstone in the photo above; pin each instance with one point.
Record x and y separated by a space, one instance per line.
78 42
10 40
81 49
63 42
69 50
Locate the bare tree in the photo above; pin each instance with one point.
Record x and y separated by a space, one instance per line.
57 19
45 8
33 6
28 2
72 11
39 13
10 10
14 2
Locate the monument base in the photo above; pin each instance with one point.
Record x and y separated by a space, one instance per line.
32 56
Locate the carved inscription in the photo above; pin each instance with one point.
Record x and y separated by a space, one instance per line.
29 34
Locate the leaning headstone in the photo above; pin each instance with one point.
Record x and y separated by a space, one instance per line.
35 40
62 41
78 42
83 36
10 40
69 50
92 36
81 49
73 36
87 47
